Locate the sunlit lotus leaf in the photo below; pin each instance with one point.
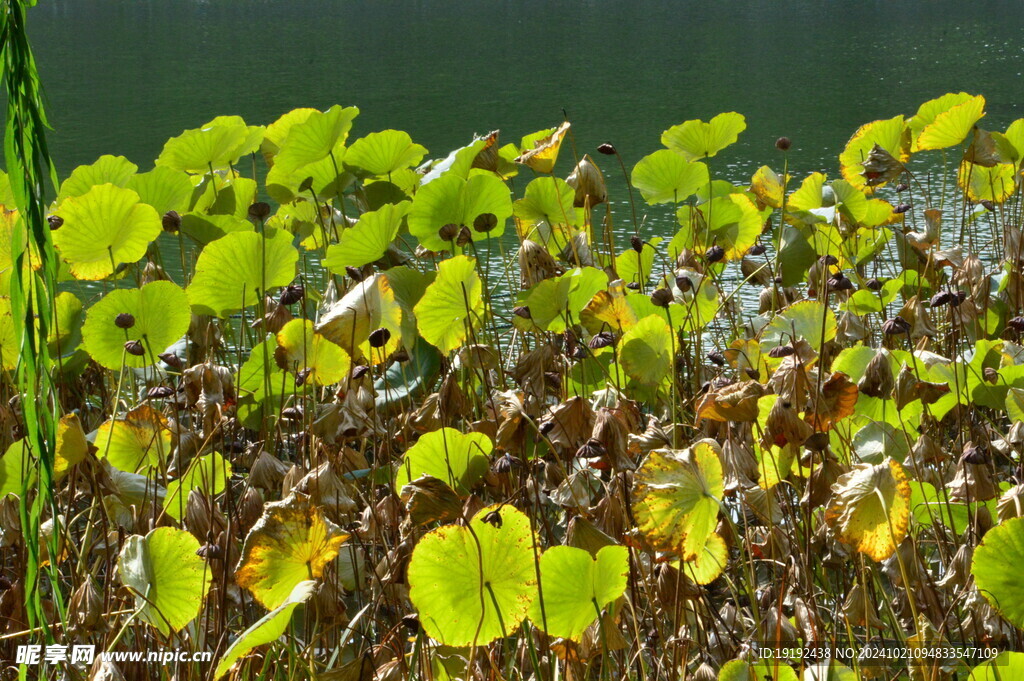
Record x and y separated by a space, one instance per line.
927 112
72 446
809 320
232 197
764 670
385 152
698 139
208 474
880 167
103 228
161 313
767 186
710 562
637 267
646 351
17 468
472 585
995 184
891 135
368 239
162 188
233 271
277 132
608 310
676 498
731 222
458 162
453 200
137 443
167 577
265 630
304 352
548 202
11 228
261 386
205 229
870 508
1004 666
540 151
666 176
290 543
452 306
951 126
8 336
555 302
837 400
324 178
458 459
115 170
1010 144
214 146
995 567
316 137
734 402
369 305
575 587
809 195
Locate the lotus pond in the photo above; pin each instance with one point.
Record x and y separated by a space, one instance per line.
334 407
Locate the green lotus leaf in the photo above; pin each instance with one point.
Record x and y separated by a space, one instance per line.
65 334
927 112
369 305
676 498
458 162
666 176
575 587
138 442
368 239
261 387
9 345
472 585
277 132
208 474
316 138
385 152
453 200
995 184
169 580
163 188
697 139
807 319
1011 143
203 228
265 630
214 146
162 315
764 670
103 228
829 670
300 349
458 459
646 351
11 229
556 303
951 127
17 468
547 203
732 222
452 306
892 135
115 170
637 267
710 562
233 271
232 197
995 569
326 178
1003 667
291 542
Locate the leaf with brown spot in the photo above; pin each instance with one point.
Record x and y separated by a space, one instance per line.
838 399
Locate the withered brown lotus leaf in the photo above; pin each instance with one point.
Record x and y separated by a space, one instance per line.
880 167
784 426
572 422
587 180
535 264
838 399
734 402
877 380
428 500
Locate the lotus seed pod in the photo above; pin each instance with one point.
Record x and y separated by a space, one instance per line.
259 211
124 320
171 221
783 144
607 149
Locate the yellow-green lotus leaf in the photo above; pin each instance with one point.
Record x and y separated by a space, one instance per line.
290 543
277 132
698 139
161 313
809 320
472 585
8 336
458 459
167 577
892 135
666 176
732 222
952 126
385 152
995 184
575 586
163 188
369 305
115 170
301 350
455 200
103 228
710 562
996 569
453 305
540 150
72 446
214 146
677 496
767 185
136 443
870 508
317 136
646 351
368 239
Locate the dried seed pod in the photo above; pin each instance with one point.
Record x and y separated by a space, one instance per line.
600 340
1016 323
448 232
939 299
901 208
379 337
292 294
159 392
714 254
124 320
135 348
633 286
171 221
716 358
55 222
902 187
171 360
783 144
354 273
358 371
291 414
464 237
662 297
895 326
607 148
637 243
873 284
521 311
259 211
684 284
781 351
989 205
838 282
757 249
485 222
878 380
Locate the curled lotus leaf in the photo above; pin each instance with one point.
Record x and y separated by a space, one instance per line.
870 508
734 402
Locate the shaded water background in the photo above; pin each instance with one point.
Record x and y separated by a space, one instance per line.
122 76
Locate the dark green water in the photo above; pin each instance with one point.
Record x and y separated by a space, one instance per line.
124 75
